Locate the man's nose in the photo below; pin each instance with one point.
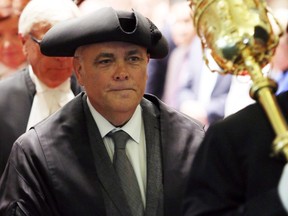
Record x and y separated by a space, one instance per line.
121 72
6 42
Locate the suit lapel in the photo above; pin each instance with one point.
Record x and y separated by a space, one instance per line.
105 171
154 191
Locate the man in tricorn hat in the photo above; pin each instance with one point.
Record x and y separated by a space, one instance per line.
73 162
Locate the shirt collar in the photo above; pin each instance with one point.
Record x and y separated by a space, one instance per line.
132 127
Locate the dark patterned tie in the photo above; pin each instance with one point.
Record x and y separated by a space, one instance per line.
126 173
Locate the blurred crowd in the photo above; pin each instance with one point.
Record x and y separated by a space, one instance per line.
182 79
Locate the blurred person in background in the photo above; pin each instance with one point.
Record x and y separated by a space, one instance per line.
279 63
184 36
190 86
157 68
45 85
12 57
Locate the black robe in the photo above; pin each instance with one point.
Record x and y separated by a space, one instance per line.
234 172
61 166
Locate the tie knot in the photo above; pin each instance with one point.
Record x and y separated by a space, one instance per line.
119 138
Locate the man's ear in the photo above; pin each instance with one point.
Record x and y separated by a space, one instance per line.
78 69
23 41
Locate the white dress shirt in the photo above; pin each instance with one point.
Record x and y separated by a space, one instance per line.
283 187
135 147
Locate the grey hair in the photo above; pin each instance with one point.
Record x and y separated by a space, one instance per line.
79 51
51 11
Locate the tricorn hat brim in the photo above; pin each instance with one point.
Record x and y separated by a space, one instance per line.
103 25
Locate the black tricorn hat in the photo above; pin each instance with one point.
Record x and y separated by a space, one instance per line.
103 25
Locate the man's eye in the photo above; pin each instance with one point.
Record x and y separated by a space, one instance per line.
134 59
104 61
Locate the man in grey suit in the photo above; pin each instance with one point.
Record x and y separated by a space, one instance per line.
65 166
45 85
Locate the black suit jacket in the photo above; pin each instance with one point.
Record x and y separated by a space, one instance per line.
61 166
16 98
233 172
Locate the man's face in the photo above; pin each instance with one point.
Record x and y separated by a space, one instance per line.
18 6
52 71
11 53
9 7
114 76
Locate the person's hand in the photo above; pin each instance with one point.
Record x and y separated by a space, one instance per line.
283 187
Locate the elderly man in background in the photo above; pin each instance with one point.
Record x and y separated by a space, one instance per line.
12 57
48 83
